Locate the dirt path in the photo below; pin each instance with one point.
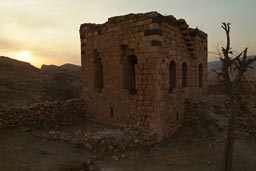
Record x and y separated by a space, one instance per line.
21 151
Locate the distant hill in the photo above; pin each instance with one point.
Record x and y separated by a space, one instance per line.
68 67
213 82
22 84
216 66
61 82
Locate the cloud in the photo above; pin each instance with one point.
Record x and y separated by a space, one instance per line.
33 22
49 29
6 44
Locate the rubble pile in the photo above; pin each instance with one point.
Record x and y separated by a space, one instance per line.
107 139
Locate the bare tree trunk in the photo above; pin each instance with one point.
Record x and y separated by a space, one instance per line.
231 135
232 89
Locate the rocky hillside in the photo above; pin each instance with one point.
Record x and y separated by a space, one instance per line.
61 82
23 84
20 82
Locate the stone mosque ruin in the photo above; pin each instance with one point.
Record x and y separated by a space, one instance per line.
139 69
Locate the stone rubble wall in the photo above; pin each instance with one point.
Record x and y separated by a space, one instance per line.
198 109
193 108
43 115
247 87
214 110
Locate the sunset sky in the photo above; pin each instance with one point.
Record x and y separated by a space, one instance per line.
47 31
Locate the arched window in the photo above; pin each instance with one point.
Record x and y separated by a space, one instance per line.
172 76
200 71
184 75
98 74
129 74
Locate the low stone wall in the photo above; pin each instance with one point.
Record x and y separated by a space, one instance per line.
247 88
43 115
191 111
195 110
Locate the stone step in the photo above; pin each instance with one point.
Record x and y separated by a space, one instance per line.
183 26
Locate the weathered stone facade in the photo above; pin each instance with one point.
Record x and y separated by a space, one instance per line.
138 69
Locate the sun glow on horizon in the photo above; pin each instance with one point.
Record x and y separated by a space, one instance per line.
28 56
33 58
25 56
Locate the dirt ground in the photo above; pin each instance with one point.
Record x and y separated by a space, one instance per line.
198 148
21 151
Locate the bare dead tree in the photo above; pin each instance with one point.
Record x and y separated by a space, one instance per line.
230 63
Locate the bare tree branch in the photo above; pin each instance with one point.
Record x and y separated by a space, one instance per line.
240 64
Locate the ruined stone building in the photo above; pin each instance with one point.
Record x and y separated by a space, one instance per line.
138 69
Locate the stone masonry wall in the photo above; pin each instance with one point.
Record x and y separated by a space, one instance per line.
116 40
182 45
43 115
156 41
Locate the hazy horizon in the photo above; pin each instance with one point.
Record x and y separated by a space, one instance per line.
47 32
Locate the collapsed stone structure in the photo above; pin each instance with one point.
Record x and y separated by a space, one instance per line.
138 69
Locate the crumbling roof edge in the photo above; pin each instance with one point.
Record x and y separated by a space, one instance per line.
156 18
121 18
